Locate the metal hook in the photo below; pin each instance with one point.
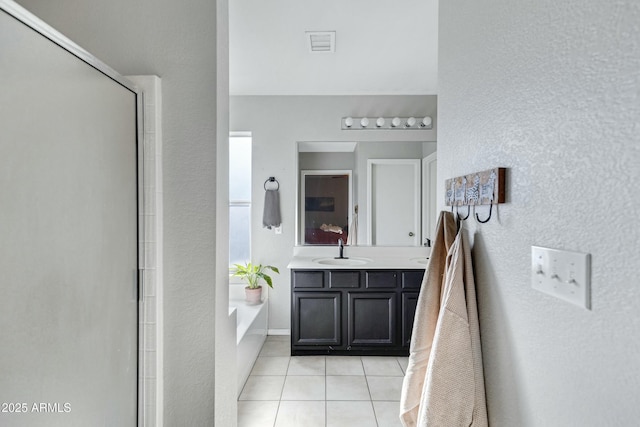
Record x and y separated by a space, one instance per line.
271 179
486 220
468 213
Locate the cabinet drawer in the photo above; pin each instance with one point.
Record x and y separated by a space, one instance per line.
381 279
412 279
308 279
344 279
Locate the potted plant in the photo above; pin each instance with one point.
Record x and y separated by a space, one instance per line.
253 273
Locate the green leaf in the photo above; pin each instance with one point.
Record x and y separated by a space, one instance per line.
252 273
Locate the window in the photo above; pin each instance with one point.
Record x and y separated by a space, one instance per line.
239 197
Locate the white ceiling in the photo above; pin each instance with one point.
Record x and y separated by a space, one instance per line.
382 47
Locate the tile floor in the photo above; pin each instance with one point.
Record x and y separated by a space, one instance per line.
323 391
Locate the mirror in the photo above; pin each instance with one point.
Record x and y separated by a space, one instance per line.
358 227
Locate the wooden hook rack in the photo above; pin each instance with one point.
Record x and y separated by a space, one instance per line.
479 188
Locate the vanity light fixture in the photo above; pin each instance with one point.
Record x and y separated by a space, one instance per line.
348 122
426 123
387 123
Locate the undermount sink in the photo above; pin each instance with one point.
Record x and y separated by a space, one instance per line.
342 261
424 261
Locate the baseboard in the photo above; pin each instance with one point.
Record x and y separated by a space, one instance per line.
278 331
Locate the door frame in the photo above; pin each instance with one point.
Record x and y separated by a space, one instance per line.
415 163
429 196
315 172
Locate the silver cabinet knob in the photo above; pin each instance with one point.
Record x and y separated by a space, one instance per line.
411 234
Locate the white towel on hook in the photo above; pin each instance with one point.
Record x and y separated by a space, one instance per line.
444 383
352 237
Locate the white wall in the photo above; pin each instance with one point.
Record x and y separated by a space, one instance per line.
277 123
550 90
177 43
312 161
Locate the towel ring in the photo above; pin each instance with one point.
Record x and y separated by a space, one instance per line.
468 213
486 220
271 179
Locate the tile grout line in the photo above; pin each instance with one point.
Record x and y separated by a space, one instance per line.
375 415
326 414
366 379
275 420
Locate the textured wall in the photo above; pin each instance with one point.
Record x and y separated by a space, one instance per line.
277 123
226 404
550 90
177 43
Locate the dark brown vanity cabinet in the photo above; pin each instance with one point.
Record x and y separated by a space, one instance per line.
364 312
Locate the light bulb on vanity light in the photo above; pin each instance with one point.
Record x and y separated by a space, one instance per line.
426 122
348 122
411 121
364 122
380 122
395 122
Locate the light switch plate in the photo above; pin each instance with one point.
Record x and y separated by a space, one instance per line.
563 274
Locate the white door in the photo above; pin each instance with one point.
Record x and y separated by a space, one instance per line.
394 202
68 238
429 192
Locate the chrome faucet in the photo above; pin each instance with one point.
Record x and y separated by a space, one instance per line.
341 250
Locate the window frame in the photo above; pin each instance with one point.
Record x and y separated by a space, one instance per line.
241 202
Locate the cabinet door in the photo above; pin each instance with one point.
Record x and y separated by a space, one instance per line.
409 302
372 318
316 318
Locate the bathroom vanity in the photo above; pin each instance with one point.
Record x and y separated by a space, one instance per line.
356 306
360 299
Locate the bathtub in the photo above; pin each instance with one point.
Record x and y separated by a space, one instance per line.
251 334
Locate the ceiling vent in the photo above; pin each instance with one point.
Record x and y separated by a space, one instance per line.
321 41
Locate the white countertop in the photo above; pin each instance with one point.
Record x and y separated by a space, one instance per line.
392 258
